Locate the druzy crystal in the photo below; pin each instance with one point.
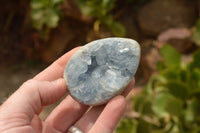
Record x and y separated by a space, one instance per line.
101 69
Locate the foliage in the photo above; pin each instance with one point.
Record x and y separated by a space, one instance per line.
170 102
45 14
196 36
101 10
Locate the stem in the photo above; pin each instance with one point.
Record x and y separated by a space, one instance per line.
148 119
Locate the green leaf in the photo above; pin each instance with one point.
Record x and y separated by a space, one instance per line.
177 89
143 127
96 8
101 10
55 2
160 65
52 19
196 36
117 29
147 108
36 4
196 56
155 82
174 106
196 130
183 75
192 107
171 73
196 62
45 13
196 77
195 107
107 5
85 9
195 93
193 79
171 57
143 104
159 104
139 102
127 126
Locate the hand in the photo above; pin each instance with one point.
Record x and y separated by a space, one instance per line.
19 113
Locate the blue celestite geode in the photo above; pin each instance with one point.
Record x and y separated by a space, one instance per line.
101 69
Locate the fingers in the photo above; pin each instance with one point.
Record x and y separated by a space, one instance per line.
32 95
74 110
55 70
110 116
87 121
65 114
69 106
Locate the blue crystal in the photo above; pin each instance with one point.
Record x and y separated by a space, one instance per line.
102 69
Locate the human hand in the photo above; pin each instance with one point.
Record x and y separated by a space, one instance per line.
19 113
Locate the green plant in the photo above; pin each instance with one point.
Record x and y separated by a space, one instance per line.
196 36
45 14
101 10
170 102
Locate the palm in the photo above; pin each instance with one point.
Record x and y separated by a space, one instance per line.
20 112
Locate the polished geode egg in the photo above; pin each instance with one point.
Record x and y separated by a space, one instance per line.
102 69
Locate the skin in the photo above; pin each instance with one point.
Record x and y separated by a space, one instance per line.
20 112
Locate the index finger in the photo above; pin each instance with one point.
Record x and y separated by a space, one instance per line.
56 69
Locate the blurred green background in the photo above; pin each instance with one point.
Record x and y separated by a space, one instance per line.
166 97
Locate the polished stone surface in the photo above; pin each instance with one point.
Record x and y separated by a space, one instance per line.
102 69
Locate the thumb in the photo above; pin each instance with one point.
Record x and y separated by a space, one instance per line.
32 95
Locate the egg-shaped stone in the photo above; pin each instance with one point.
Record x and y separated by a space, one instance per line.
101 69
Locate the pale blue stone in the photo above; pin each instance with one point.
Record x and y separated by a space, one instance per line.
102 69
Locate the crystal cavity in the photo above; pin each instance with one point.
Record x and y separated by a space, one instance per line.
102 69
